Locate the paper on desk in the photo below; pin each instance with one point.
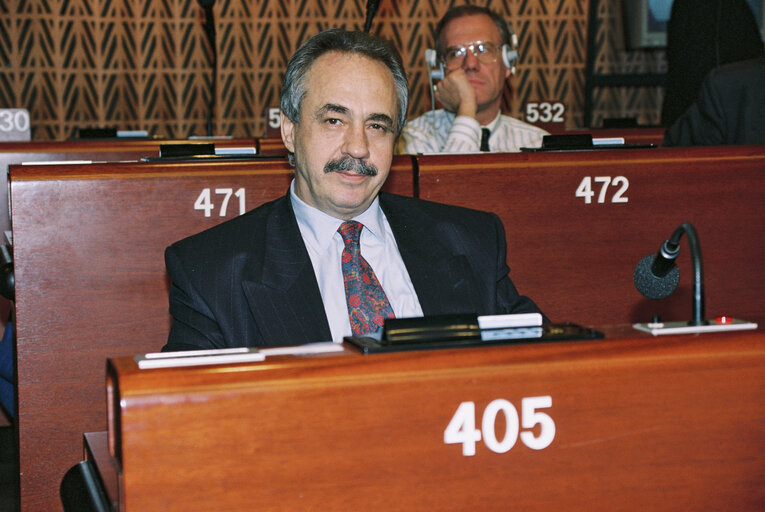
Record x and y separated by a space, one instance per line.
514 320
247 150
229 355
608 141
324 347
198 357
58 162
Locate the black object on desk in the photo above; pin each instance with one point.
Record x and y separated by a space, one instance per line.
579 142
462 331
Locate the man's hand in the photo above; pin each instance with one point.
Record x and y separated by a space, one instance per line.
456 94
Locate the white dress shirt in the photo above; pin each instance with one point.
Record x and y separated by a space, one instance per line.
441 131
379 249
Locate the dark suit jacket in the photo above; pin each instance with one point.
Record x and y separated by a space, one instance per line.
730 109
250 282
702 35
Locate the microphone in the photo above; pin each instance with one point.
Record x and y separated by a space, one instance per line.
209 27
371 11
656 276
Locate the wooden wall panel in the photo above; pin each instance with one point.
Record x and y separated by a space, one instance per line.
613 57
145 64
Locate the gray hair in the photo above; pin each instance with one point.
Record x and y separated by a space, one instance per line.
339 40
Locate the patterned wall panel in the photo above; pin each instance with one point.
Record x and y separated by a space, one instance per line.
642 103
145 64
552 42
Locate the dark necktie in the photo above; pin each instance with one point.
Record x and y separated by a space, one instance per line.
368 307
485 133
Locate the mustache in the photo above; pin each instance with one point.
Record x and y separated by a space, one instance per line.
348 163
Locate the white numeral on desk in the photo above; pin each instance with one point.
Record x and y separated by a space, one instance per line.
461 428
274 119
586 189
16 120
204 200
545 112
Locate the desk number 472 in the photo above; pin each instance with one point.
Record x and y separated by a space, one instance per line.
586 188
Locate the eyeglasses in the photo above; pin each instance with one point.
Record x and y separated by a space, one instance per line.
486 53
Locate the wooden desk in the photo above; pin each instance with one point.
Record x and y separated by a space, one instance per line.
272 146
640 423
576 259
82 150
91 283
91 150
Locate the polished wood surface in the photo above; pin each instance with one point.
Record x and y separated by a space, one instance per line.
576 260
102 150
91 283
90 278
641 423
83 150
96 448
271 146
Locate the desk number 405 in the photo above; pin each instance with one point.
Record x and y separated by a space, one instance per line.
461 429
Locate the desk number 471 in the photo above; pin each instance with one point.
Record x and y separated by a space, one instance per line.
205 201
462 430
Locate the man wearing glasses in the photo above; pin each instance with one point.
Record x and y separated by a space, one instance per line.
470 42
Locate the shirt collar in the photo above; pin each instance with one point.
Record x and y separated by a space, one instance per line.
318 228
493 125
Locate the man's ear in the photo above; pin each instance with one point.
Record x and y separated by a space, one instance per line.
288 133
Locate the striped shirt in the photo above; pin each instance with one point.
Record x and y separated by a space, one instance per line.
441 131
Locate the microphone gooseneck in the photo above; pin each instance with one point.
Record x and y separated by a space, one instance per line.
656 276
372 6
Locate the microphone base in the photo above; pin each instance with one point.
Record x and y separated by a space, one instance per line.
714 325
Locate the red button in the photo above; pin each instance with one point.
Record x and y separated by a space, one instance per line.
724 320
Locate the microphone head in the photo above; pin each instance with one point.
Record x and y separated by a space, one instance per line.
651 285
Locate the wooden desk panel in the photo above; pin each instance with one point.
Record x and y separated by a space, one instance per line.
641 423
576 260
271 146
104 150
91 283
83 150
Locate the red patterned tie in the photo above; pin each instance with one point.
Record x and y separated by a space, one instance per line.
368 307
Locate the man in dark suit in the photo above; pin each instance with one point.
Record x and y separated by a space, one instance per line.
275 276
730 108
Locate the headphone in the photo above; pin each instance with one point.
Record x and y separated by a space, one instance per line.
436 67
